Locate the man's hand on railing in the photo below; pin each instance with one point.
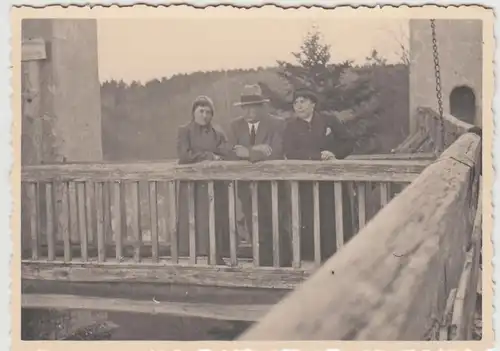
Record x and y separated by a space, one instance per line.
327 155
264 148
241 151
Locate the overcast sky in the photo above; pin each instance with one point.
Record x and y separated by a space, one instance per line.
143 49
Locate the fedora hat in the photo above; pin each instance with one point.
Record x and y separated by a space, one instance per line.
251 95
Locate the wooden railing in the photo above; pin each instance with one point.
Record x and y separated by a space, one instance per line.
110 222
409 274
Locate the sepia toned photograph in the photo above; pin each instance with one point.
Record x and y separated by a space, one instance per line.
222 174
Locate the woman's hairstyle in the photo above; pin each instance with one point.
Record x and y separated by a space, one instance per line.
203 100
305 93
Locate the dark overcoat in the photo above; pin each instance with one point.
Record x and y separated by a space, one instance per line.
305 141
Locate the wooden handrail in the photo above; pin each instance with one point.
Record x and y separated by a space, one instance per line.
391 281
338 170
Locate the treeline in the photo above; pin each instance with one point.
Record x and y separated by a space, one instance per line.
139 122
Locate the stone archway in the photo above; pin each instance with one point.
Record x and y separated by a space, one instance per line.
463 104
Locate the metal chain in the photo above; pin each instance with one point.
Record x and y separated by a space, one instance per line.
437 73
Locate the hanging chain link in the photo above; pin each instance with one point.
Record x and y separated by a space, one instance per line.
437 73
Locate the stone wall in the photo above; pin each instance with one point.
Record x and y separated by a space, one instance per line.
69 109
460 55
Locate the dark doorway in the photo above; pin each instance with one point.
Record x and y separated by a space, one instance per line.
463 104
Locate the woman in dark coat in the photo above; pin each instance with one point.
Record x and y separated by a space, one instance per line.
310 135
200 141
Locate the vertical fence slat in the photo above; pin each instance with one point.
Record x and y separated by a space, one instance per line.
361 205
384 194
317 227
275 218
295 224
63 219
153 210
192 222
90 206
106 196
162 211
32 202
255 223
82 224
339 216
99 205
73 213
353 208
172 221
49 208
133 208
116 219
212 258
232 224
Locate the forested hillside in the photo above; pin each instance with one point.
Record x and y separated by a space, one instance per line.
140 121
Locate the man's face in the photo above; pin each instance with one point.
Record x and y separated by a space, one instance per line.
303 107
253 113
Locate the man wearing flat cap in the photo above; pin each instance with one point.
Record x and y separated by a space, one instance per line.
310 135
258 136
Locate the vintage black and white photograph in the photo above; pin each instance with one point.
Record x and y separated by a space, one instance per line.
226 174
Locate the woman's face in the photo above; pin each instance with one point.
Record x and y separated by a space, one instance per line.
203 115
303 107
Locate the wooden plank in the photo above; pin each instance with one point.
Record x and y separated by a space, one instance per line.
192 222
34 218
62 212
465 300
395 156
276 227
361 205
162 292
116 218
211 224
337 170
384 194
49 208
411 243
444 330
153 211
182 274
353 210
132 204
255 224
162 212
73 213
99 204
172 223
33 49
90 214
82 224
295 224
339 215
233 241
106 197
317 224
228 312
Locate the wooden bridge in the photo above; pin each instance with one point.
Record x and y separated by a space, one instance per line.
103 236
414 259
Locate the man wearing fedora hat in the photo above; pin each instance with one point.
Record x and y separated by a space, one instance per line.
258 136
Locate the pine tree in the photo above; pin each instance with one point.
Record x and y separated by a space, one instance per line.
341 89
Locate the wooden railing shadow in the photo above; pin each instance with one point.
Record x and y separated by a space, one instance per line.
411 273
